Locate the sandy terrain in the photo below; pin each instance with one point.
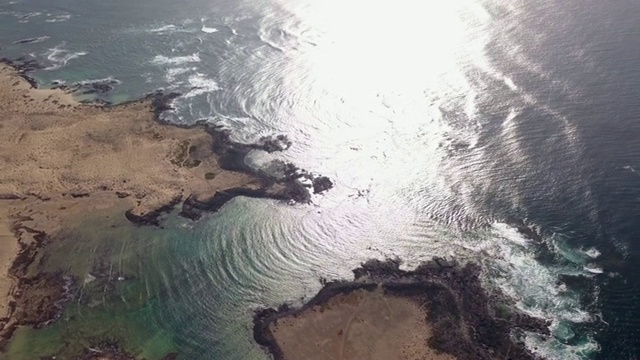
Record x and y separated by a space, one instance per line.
360 325
50 145
61 159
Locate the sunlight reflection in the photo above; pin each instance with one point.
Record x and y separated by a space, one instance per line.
407 45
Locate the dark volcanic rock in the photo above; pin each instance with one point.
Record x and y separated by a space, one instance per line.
162 102
99 88
193 208
23 66
231 155
47 293
11 196
31 40
153 217
37 299
461 313
321 184
273 143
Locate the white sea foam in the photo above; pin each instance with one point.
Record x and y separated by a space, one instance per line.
57 18
173 73
552 348
509 82
201 85
24 18
208 30
247 124
592 253
562 246
593 269
176 60
162 29
59 57
171 28
107 80
534 286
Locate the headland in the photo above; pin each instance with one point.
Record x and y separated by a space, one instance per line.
439 311
63 161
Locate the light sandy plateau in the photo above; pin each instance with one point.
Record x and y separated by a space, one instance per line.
360 325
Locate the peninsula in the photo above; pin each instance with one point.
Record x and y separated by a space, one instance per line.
439 311
64 163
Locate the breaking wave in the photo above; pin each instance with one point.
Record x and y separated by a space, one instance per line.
176 60
538 289
200 84
172 28
209 30
59 56
57 18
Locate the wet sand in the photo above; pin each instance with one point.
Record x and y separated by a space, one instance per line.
62 161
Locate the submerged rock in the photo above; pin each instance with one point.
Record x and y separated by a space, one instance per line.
321 184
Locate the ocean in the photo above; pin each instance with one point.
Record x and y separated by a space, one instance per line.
438 122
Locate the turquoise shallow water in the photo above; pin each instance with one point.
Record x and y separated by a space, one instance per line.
437 122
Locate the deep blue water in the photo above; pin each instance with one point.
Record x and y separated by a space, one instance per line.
437 121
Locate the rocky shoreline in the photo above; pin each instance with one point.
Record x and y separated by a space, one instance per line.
467 322
37 297
294 184
23 66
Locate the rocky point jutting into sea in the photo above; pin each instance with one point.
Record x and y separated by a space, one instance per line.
437 121
439 311
67 164
85 174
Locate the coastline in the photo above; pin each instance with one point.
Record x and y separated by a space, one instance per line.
464 321
67 160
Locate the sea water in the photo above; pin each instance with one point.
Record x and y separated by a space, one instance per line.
437 121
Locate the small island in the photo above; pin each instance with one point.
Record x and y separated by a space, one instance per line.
65 164
439 311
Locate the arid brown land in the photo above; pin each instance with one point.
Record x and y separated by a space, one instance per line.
358 325
61 161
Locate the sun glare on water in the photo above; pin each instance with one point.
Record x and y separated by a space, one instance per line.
370 46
